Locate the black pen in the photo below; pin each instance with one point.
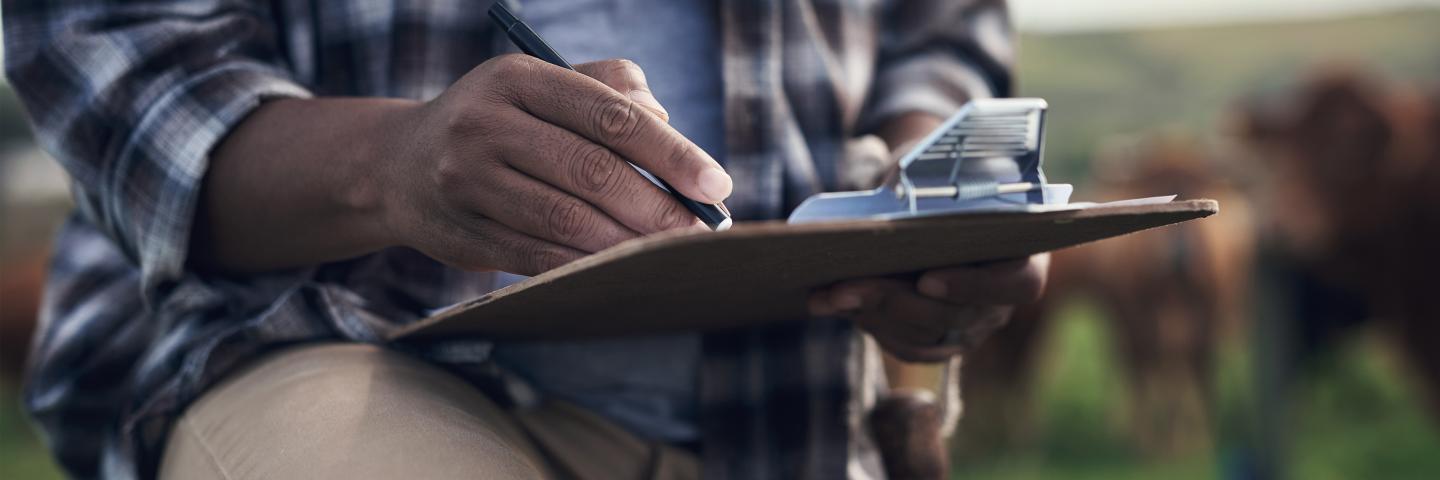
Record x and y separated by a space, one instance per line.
716 216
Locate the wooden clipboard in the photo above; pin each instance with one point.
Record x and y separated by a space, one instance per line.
761 272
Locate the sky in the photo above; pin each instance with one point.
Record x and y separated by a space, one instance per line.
1071 15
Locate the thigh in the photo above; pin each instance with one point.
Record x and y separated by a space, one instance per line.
346 411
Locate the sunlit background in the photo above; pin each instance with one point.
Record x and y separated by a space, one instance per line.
1283 338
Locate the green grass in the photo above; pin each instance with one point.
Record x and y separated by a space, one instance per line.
1361 419
1356 415
1080 409
21 454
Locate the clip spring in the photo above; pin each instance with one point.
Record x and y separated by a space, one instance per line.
966 191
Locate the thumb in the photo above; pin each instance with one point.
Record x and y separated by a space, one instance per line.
627 78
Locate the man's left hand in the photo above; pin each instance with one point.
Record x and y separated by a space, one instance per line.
945 312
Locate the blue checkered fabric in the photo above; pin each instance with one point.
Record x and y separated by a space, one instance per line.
131 96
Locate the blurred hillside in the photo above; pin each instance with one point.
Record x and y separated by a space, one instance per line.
1109 83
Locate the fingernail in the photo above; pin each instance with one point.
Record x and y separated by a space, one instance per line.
848 301
714 184
932 287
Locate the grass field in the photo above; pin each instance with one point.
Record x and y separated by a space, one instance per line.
1355 416
21 455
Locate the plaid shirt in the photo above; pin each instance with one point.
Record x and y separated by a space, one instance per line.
131 96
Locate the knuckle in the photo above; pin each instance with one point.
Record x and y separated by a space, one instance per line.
542 257
509 66
567 221
468 123
678 153
525 255
506 73
532 255
624 65
624 73
464 167
615 119
451 179
594 169
670 214
460 119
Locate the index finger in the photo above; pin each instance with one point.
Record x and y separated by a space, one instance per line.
593 110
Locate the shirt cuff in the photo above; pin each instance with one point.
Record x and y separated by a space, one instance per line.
175 137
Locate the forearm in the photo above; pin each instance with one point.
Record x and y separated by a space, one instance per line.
298 183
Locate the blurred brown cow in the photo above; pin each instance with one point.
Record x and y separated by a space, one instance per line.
21 280
1170 294
1354 198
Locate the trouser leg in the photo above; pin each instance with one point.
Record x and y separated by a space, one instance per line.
347 411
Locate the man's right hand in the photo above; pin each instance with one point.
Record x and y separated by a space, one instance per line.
520 166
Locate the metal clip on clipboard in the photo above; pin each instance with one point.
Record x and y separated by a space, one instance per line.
984 158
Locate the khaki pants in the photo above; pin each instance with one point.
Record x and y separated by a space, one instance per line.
360 412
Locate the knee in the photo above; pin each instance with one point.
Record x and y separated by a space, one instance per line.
349 411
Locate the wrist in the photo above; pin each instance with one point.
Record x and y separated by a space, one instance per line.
387 154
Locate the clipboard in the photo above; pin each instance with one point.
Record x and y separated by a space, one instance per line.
758 273
972 191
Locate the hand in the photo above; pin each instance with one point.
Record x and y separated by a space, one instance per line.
946 312
520 166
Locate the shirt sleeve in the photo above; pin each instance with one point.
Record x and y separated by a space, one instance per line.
131 96
935 55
